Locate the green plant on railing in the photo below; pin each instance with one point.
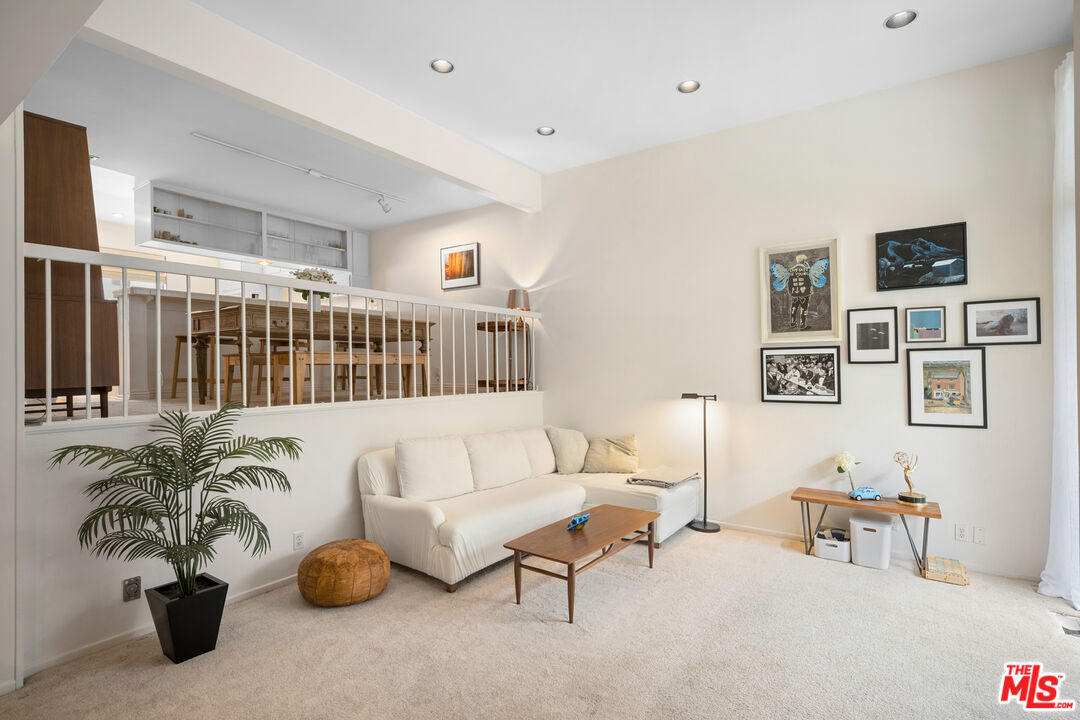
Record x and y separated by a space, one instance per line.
316 275
171 498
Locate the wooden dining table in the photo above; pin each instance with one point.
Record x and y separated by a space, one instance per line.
255 321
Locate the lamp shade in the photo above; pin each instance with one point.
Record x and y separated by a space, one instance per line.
518 299
690 396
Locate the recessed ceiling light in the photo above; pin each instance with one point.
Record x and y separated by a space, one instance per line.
118 215
442 65
264 263
688 86
545 130
900 19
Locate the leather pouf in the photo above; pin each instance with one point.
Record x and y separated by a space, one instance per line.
344 572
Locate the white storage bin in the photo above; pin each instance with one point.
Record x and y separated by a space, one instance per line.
828 547
871 540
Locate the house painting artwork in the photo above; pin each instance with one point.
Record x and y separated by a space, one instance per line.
947 387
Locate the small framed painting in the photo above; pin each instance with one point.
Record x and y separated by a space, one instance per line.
801 374
872 336
460 266
1002 322
947 387
925 324
922 257
799 295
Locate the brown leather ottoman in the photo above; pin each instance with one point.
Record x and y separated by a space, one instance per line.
343 572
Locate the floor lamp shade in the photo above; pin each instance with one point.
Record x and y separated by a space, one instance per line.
703 525
518 299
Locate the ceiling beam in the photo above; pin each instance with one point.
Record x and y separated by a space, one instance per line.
191 42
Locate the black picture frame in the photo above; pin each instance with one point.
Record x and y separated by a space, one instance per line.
853 338
809 397
904 257
944 325
945 354
971 339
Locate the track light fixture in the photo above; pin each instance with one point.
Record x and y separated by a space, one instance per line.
386 207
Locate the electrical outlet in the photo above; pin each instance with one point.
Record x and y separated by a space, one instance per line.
132 588
978 535
961 533
297 540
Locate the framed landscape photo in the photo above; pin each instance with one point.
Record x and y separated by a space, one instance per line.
799 294
925 324
801 374
460 266
872 336
922 257
1002 322
947 387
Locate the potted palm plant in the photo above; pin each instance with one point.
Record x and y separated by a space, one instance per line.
172 499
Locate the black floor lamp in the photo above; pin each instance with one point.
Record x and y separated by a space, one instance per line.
703 525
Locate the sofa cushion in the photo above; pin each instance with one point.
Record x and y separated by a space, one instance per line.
376 473
616 455
482 521
433 468
538 448
612 489
497 459
569 447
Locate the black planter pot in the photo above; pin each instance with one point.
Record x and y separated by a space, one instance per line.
188 626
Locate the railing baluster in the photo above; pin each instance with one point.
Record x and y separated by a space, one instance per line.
86 319
243 345
476 351
495 350
311 342
190 347
453 350
219 387
292 352
507 348
125 339
517 373
382 314
531 383
268 375
157 323
333 351
400 370
442 375
48 341
367 352
412 335
427 350
348 302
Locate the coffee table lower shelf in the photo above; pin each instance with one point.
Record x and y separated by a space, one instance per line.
605 531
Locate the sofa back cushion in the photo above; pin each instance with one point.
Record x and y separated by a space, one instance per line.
612 455
433 468
538 448
497 459
569 447
377 474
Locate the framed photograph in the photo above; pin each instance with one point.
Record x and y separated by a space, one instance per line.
925 324
947 387
801 374
872 336
799 295
460 266
923 257
1002 322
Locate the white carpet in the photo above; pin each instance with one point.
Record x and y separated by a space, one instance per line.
726 626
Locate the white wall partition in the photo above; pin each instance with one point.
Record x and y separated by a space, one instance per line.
646 269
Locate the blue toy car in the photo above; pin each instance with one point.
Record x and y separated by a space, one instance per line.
578 521
864 492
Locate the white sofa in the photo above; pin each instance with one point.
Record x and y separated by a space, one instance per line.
445 506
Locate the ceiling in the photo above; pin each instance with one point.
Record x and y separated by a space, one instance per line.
603 72
139 121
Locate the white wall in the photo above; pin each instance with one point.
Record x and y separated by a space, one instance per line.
645 267
10 367
324 504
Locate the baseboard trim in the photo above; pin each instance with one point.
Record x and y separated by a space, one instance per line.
6 687
761 531
142 631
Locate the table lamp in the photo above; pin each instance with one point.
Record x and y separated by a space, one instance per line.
703 525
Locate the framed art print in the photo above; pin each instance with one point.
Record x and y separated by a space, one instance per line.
460 266
872 336
799 295
947 387
1002 322
801 374
924 324
922 257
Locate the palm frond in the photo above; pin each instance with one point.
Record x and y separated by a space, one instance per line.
259 477
246 525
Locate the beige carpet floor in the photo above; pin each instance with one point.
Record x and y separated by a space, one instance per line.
726 626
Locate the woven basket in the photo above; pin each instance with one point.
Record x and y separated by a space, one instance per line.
344 572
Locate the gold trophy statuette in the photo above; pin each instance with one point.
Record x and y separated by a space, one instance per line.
908 463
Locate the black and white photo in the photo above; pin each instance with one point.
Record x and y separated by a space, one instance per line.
801 374
872 335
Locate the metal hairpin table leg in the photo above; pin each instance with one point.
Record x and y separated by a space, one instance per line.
802 517
921 562
820 518
925 537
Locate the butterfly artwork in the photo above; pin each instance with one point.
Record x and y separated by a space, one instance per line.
799 294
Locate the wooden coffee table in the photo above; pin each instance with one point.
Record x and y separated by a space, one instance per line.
604 533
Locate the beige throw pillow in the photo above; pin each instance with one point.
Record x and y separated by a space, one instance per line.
570 447
612 455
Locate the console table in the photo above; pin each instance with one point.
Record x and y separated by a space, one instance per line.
807 496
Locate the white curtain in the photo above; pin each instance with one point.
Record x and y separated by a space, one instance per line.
1061 578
